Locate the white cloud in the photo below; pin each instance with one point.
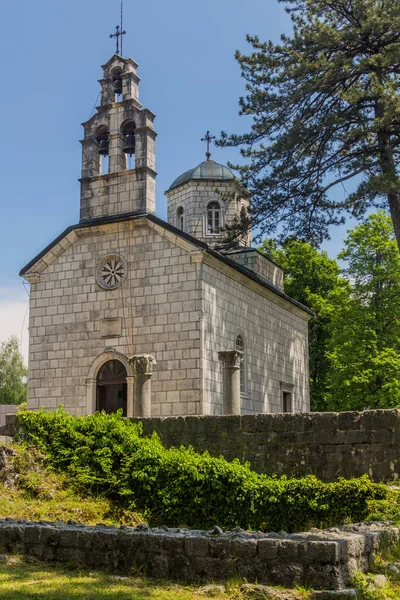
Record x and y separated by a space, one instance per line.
14 316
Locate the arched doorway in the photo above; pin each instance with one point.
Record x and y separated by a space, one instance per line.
111 388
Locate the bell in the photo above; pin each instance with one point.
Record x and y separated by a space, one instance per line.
104 146
117 86
129 145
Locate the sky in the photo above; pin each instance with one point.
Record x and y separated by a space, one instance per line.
52 52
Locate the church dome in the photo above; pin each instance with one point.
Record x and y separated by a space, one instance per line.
205 171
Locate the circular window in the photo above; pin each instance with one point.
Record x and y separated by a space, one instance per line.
111 271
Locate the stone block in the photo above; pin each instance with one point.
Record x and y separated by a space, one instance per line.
50 537
325 577
196 546
320 552
244 548
31 535
289 550
287 575
387 419
268 549
349 594
219 547
69 555
70 537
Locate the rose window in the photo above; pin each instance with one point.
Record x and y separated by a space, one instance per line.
111 271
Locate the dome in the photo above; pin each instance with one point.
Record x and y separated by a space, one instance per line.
205 171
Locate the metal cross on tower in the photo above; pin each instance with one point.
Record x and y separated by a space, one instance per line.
118 34
208 138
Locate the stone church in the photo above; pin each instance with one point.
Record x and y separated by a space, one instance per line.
158 318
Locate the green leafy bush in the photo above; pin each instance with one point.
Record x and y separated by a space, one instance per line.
178 486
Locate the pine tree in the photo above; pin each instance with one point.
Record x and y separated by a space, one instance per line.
326 110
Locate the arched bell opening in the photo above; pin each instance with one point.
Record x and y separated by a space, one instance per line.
116 75
111 387
102 137
129 143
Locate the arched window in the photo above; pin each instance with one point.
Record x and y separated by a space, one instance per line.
112 387
116 75
180 221
129 143
104 146
213 218
239 345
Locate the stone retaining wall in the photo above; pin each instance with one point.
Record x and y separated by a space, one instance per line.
328 445
321 559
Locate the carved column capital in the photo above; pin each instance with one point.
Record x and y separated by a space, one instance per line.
143 364
231 358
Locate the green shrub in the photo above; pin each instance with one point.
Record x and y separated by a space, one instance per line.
178 486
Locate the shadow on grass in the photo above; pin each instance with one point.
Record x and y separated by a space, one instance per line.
20 581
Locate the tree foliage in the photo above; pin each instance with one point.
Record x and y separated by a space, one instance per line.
365 345
354 340
312 278
326 110
12 373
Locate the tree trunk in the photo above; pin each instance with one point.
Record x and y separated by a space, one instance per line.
389 170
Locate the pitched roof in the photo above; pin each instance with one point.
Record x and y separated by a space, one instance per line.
152 218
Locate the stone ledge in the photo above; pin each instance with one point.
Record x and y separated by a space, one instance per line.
322 559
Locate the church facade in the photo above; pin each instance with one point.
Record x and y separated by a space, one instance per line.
122 287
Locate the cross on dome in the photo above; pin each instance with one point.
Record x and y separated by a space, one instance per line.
208 138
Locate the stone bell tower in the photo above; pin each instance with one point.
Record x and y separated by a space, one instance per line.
118 149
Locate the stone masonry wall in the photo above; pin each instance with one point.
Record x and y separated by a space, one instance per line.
328 445
320 559
275 335
260 264
157 304
194 197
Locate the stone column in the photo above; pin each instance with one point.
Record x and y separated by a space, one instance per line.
143 370
91 385
130 381
231 360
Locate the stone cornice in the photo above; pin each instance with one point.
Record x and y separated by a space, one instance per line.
117 174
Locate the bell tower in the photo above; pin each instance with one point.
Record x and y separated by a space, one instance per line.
118 149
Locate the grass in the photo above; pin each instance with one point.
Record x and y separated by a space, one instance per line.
22 581
364 583
40 494
29 490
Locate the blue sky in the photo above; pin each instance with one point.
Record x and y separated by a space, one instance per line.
52 52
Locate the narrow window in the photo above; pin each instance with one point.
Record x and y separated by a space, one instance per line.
213 218
240 346
129 143
117 81
104 146
180 218
286 402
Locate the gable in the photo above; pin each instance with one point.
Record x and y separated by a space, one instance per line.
113 226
